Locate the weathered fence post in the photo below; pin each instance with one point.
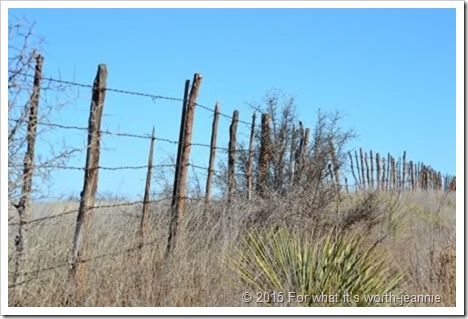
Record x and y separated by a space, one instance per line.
146 197
384 177
83 221
232 155
394 180
336 171
358 170
377 165
305 147
389 164
292 152
264 160
178 167
420 172
371 159
369 186
362 169
178 210
411 174
214 133
251 158
24 203
298 154
403 174
398 173
352 168
180 144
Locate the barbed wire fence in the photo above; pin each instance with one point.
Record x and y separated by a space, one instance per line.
370 171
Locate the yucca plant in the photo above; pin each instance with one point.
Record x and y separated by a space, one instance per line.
334 264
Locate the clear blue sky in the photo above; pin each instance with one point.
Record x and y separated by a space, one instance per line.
391 72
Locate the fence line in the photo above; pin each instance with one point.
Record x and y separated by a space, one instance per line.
369 172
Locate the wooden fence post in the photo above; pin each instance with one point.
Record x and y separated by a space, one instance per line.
292 152
358 169
178 210
251 159
398 173
178 167
394 180
371 160
305 146
389 176
362 169
264 160
352 169
411 175
24 203
298 154
384 183
367 171
146 197
83 221
418 174
336 171
403 174
214 134
377 165
232 155
180 145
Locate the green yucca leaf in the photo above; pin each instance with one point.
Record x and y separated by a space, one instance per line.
280 261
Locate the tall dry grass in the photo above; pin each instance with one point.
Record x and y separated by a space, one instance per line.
413 233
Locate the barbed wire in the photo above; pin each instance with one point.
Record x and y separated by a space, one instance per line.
86 260
141 136
128 92
126 204
227 116
64 167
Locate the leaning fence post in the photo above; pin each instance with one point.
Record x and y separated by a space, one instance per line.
146 197
178 165
352 168
24 203
264 159
232 155
180 144
178 210
214 132
369 186
362 169
358 170
83 221
251 158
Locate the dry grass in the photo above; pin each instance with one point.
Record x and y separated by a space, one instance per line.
414 230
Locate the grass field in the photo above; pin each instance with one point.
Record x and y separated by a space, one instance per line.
411 233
